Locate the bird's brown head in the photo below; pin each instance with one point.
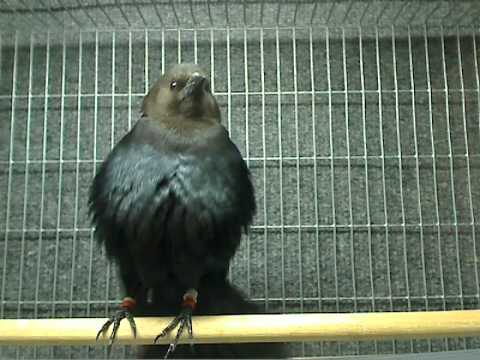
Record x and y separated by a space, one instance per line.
183 92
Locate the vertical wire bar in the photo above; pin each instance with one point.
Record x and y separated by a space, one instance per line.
280 153
349 165
146 61
163 52
60 183
332 166
44 158
297 153
400 170
179 46
1 57
229 111
112 109
212 60
264 174
247 147
315 180
27 179
332 170
469 181
129 80
434 169
94 164
195 46
229 85
349 175
77 174
450 157
130 51
477 77
42 193
9 184
112 144
365 159
384 189
297 150
417 170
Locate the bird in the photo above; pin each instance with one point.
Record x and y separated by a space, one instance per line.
170 204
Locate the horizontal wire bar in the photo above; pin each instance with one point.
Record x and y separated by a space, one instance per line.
277 158
262 299
280 227
253 28
253 93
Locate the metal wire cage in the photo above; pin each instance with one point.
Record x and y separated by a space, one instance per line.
360 121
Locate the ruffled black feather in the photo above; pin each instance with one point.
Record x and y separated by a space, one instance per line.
171 202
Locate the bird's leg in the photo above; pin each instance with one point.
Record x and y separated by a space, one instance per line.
125 312
184 319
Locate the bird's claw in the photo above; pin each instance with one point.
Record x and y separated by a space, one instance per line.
115 320
184 319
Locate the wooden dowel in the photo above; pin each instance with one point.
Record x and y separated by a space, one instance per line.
253 328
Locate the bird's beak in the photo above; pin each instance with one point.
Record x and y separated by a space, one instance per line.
194 86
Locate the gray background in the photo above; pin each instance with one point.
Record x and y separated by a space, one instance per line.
363 140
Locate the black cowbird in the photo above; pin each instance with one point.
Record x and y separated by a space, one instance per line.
170 204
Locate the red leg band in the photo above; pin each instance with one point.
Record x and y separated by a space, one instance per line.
128 303
189 302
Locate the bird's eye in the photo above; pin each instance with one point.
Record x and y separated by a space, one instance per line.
173 84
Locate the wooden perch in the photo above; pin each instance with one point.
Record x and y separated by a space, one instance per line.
253 328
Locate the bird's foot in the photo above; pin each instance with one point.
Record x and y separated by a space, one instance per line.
184 319
128 304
